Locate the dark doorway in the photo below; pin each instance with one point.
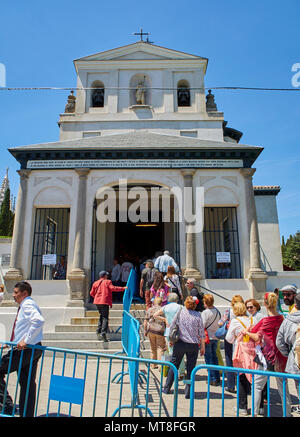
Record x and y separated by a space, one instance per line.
138 239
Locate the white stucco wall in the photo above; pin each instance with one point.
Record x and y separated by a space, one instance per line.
269 235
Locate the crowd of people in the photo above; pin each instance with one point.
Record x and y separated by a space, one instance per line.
180 322
254 337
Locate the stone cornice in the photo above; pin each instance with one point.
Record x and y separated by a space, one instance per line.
248 156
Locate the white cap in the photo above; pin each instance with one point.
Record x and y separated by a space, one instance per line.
290 288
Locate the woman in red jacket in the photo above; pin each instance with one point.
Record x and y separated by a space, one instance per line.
102 293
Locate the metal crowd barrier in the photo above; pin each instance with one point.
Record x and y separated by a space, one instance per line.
210 396
79 384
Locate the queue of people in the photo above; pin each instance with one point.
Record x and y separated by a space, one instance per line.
270 337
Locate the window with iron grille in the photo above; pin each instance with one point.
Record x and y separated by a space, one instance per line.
221 235
51 236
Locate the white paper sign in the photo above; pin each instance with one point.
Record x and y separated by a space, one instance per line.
49 259
223 257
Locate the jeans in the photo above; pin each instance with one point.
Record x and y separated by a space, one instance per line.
180 349
228 348
212 358
6 367
259 383
103 319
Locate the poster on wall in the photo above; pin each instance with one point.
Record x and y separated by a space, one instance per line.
49 259
223 257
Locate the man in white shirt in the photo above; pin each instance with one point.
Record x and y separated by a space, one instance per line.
27 330
116 272
125 271
164 261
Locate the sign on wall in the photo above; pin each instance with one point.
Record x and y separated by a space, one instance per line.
49 259
223 257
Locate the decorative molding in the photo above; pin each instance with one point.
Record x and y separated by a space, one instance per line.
66 179
232 179
204 179
96 179
40 179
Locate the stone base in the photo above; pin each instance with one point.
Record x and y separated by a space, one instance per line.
10 279
258 284
77 285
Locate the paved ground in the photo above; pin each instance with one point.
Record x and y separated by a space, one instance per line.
108 397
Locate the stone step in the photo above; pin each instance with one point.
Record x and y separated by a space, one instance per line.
84 328
94 320
79 335
84 344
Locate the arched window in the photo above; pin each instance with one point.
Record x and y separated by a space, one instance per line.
183 93
97 95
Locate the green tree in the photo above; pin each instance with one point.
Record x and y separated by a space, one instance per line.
291 251
6 216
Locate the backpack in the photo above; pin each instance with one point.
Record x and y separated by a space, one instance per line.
297 347
150 277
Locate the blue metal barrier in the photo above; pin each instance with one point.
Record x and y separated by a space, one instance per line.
77 383
284 377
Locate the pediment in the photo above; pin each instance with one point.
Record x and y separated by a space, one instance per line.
140 50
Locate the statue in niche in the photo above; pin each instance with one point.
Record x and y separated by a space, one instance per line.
98 98
183 95
70 106
140 93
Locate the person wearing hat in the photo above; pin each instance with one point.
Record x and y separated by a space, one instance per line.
102 293
289 293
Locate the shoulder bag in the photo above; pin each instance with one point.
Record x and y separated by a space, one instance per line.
174 332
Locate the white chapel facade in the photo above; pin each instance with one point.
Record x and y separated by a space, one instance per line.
141 115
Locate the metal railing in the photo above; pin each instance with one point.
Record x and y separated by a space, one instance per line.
282 377
77 383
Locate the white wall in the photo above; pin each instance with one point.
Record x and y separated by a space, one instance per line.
269 235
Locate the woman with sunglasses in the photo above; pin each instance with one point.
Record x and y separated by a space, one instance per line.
253 310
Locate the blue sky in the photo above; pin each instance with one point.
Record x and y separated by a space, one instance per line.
249 44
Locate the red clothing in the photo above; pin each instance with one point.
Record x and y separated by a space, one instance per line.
102 291
267 329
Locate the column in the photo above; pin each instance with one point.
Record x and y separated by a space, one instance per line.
77 276
15 273
190 237
256 275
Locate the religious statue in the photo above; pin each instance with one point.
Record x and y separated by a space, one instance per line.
70 106
98 98
210 102
140 94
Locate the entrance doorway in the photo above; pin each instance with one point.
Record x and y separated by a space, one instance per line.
140 240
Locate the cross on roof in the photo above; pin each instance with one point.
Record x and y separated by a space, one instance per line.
141 33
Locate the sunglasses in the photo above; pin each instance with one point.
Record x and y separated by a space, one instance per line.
250 308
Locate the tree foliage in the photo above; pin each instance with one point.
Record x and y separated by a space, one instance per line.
291 251
6 216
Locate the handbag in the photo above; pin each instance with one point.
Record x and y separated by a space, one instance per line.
174 289
222 331
165 369
174 332
205 329
244 353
